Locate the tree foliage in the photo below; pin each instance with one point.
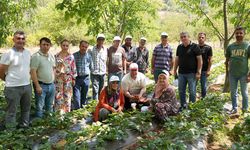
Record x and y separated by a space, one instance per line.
116 17
12 14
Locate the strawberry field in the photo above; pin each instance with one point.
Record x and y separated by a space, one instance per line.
133 130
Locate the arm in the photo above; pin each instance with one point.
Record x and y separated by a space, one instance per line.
124 62
176 65
209 65
199 66
3 69
122 101
152 64
35 81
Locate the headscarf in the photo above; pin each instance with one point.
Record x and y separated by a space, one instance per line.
159 88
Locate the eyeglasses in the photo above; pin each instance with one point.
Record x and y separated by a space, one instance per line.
114 82
19 38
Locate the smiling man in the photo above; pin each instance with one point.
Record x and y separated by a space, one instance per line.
15 71
237 55
42 74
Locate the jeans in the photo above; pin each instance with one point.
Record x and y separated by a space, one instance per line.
80 91
183 80
119 74
244 91
203 82
97 85
15 96
45 100
156 74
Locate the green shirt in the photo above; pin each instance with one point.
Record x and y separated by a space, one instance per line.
43 64
238 54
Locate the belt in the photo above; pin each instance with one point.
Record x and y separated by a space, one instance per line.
40 82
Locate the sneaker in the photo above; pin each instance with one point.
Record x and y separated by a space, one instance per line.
233 111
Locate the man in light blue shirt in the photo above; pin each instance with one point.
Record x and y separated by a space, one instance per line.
83 62
99 57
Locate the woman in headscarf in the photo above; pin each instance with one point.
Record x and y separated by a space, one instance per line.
164 102
111 100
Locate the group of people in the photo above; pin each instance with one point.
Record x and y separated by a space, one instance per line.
61 82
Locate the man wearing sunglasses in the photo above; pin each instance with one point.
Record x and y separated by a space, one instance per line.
188 61
15 71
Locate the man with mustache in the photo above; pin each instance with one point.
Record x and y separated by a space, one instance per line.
237 55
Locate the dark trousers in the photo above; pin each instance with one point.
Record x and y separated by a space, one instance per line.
80 91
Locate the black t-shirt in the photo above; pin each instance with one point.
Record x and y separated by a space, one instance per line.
206 52
187 58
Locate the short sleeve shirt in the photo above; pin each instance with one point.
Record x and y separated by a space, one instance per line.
206 52
134 86
115 59
238 54
187 58
18 73
43 64
163 56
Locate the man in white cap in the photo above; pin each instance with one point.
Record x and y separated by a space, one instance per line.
99 58
134 87
116 59
140 56
162 57
128 47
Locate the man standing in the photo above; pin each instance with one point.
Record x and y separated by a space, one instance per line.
116 59
99 57
207 54
127 46
189 61
42 74
162 57
83 62
237 55
15 71
140 56
134 87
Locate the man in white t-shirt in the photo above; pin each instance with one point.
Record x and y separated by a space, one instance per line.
15 71
134 87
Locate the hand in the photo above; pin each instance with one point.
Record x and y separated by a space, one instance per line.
39 90
119 109
174 72
248 78
152 71
198 76
137 97
73 82
114 110
171 72
208 73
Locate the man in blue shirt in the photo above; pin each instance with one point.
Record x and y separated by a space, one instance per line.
83 62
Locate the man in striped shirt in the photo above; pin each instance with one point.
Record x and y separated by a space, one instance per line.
162 57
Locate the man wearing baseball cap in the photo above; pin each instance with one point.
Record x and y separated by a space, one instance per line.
128 47
99 58
162 57
116 59
140 56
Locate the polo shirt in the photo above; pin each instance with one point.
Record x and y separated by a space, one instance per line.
18 73
44 65
163 56
134 86
187 58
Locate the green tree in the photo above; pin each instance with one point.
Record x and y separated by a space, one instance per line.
12 14
112 17
213 13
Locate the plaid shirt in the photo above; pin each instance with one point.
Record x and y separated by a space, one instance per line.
163 57
99 58
83 63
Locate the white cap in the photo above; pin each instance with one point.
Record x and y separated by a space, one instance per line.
133 66
128 37
164 34
117 38
114 78
143 38
100 36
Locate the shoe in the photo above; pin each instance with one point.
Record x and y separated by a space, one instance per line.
233 111
182 108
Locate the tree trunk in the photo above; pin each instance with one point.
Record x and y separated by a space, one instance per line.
226 42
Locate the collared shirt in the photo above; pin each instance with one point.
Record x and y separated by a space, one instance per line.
83 63
99 57
127 51
163 56
18 73
207 52
187 57
140 57
43 64
115 58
